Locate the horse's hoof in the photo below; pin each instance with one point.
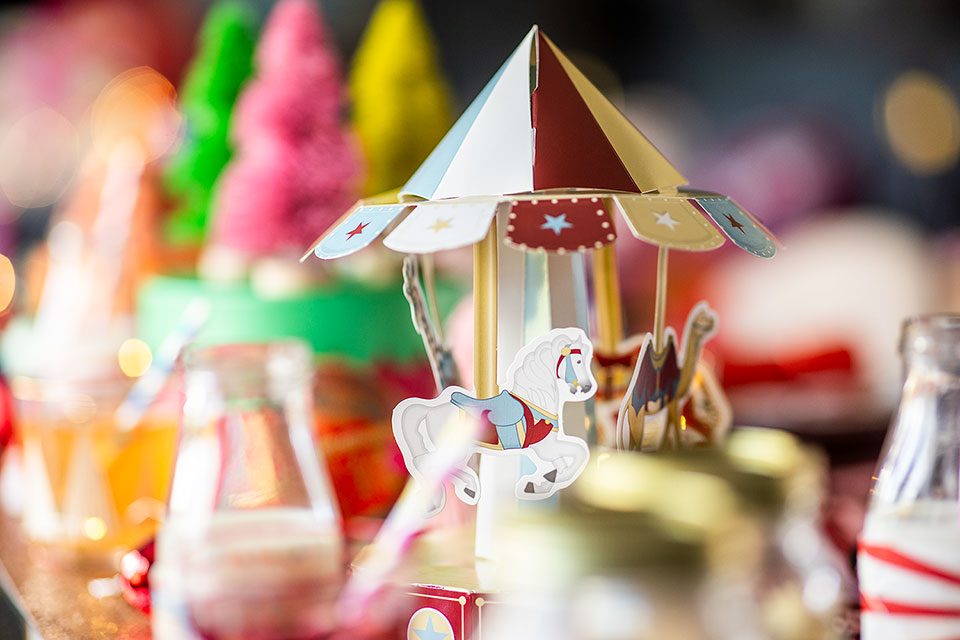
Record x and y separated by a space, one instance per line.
470 492
530 488
551 477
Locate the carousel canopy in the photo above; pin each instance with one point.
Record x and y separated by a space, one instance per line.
540 124
543 141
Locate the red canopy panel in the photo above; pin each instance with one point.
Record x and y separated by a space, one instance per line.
560 225
570 148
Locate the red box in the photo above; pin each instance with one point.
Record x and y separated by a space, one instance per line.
447 609
445 592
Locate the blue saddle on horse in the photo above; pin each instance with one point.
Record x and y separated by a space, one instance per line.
509 422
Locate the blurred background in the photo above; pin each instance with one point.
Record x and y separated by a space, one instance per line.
836 123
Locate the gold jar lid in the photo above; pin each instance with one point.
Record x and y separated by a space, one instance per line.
633 512
557 548
797 469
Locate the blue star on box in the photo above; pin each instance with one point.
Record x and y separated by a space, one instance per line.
429 633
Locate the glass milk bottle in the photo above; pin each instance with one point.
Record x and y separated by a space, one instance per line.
251 547
909 551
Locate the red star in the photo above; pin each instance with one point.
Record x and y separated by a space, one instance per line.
358 230
734 223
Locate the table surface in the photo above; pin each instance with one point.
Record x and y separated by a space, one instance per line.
56 604
39 603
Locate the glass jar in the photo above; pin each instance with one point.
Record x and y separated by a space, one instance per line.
909 550
644 584
640 549
91 489
801 582
252 545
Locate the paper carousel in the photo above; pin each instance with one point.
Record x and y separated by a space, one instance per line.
531 176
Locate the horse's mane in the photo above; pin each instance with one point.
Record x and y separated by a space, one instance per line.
536 378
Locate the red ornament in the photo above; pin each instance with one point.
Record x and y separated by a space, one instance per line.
134 569
6 414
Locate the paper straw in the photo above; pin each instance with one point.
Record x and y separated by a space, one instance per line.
406 519
114 222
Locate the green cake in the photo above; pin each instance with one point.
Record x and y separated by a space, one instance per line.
360 321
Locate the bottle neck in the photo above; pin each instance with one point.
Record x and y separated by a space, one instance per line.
931 345
239 373
920 464
930 349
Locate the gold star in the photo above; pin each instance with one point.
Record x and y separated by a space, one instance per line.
440 225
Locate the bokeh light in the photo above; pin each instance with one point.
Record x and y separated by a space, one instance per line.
38 158
139 104
921 120
94 528
8 282
134 357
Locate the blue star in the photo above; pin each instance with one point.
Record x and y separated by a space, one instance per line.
429 633
556 223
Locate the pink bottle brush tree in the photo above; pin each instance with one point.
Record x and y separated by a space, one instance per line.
297 167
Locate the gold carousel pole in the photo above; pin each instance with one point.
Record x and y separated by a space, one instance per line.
660 308
659 314
485 314
607 291
491 505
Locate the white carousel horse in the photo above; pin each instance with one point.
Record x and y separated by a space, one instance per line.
524 419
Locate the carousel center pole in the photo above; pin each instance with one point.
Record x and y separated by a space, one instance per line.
485 315
492 471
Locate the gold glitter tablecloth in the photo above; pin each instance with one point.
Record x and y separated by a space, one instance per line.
58 601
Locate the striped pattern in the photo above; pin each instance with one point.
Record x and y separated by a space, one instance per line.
557 131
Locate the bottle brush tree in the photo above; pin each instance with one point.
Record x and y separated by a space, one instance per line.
297 167
213 81
401 103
